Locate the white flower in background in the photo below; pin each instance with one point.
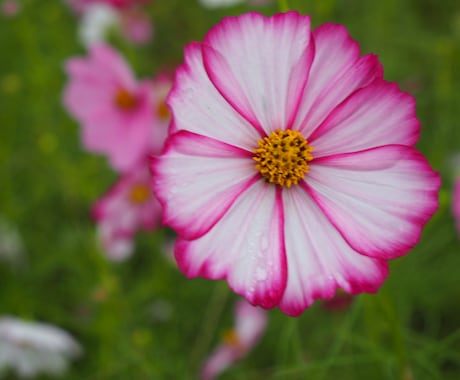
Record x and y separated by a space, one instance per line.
11 246
96 21
30 348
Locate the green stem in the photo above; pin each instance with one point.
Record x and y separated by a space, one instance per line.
210 323
394 322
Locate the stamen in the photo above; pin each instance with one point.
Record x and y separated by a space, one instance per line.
125 100
139 194
163 111
231 338
282 158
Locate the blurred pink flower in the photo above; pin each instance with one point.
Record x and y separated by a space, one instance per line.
115 111
250 323
339 302
290 169
136 26
456 203
32 348
80 5
10 7
127 207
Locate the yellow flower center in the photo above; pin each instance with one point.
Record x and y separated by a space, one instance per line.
163 111
282 158
125 100
139 194
230 338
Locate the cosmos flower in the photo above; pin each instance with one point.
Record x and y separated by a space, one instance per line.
250 323
456 203
290 169
127 207
115 111
30 348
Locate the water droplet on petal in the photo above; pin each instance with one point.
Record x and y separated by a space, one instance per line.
261 274
264 243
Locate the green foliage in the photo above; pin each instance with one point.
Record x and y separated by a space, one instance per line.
142 319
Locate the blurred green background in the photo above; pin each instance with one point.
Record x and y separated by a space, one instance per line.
142 319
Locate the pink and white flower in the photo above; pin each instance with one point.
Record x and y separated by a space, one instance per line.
456 203
290 169
32 348
115 111
250 323
127 207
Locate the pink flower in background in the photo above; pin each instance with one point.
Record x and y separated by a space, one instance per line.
456 203
162 84
114 110
250 323
80 5
127 207
290 169
30 348
136 26
10 7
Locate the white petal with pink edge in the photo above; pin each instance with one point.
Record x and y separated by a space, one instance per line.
197 179
336 72
260 65
378 199
198 107
379 114
319 260
246 247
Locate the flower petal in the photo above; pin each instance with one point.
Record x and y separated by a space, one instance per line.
319 260
378 199
221 359
379 114
250 323
260 65
197 179
337 71
198 107
246 246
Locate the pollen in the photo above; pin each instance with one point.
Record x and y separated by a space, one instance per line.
125 100
163 111
230 338
282 157
139 194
